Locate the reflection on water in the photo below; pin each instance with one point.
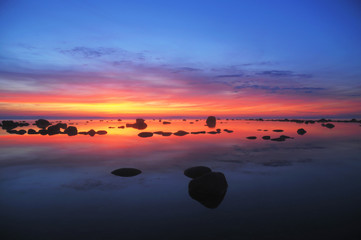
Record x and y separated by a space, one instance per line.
305 185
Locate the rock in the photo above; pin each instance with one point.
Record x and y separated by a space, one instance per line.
212 132
126 172
278 130
165 122
62 125
42 123
181 133
21 132
83 133
121 127
102 132
71 131
43 132
282 138
158 132
211 121
198 171
252 137
208 189
91 132
32 131
301 131
9 124
199 132
266 137
140 124
166 134
328 125
145 134
228 131
52 130
218 130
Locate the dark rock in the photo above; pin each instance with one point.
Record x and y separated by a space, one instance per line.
62 125
21 132
328 125
158 132
278 130
266 137
228 131
71 131
121 127
140 124
301 131
9 124
211 121
198 171
181 133
252 137
145 134
126 172
42 123
165 122
102 132
282 138
166 134
199 132
43 132
91 132
208 189
83 133
212 132
32 131
52 130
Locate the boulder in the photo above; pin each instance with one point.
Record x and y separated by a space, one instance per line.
211 121
52 130
42 123
139 124
91 132
62 125
301 131
71 131
208 189
32 131
9 124
181 133
126 172
145 134
198 171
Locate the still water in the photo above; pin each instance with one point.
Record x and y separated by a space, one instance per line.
61 187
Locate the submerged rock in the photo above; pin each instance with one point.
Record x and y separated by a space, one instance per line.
71 131
301 131
266 137
198 171
42 123
166 134
165 122
145 134
181 133
208 189
278 130
211 121
199 132
158 132
102 132
126 172
228 131
328 125
282 138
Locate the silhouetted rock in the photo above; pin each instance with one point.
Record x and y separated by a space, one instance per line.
52 130
43 132
199 132
32 131
198 171
126 172
209 189
140 124
282 138
228 131
102 132
278 130
252 137
42 123
111 127
71 131
62 125
121 127
21 132
165 122
180 133
213 132
145 134
266 137
83 133
91 132
328 125
9 124
166 134
301 131
158 132
211 121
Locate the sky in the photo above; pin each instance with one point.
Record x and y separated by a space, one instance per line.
250 58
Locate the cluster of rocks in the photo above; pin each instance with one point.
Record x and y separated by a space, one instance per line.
180 133
9 124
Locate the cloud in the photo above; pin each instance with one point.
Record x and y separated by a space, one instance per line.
230 76
87 52
279 73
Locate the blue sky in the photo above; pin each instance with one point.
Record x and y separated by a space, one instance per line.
264 45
